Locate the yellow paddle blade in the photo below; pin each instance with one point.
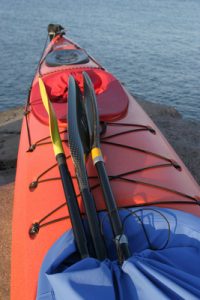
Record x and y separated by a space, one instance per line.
53 125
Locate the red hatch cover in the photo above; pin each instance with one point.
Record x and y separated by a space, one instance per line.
111 97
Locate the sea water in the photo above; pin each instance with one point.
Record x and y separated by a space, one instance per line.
152 46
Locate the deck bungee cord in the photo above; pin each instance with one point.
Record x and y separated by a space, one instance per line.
35 227
171 162
104 139
27 107
133 213
104 125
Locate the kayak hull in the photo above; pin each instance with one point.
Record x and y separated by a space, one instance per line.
143 167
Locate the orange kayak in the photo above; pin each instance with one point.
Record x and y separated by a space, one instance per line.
143 168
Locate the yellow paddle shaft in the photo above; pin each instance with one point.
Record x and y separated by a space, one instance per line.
96 155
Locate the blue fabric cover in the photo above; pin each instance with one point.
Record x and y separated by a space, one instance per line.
173 272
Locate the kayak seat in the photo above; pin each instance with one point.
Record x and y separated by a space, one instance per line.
111 97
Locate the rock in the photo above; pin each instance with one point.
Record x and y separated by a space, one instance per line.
11 115
9 141
6 193
156 110
182 134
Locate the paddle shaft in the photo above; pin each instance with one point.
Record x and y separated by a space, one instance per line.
93 223
89 204
92 117
72 204
78 158
120 238
90 209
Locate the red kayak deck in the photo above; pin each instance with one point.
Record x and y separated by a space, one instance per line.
144 169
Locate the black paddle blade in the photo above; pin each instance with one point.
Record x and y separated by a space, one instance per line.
74 138
82 122
91 112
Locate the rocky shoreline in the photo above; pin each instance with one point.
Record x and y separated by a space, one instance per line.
10 125
183 135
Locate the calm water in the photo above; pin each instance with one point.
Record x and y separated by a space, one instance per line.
152 46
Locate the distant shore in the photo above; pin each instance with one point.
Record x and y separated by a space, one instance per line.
183 135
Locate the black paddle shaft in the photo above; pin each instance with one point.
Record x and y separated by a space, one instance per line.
120 238
77 153
74 212
92 116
